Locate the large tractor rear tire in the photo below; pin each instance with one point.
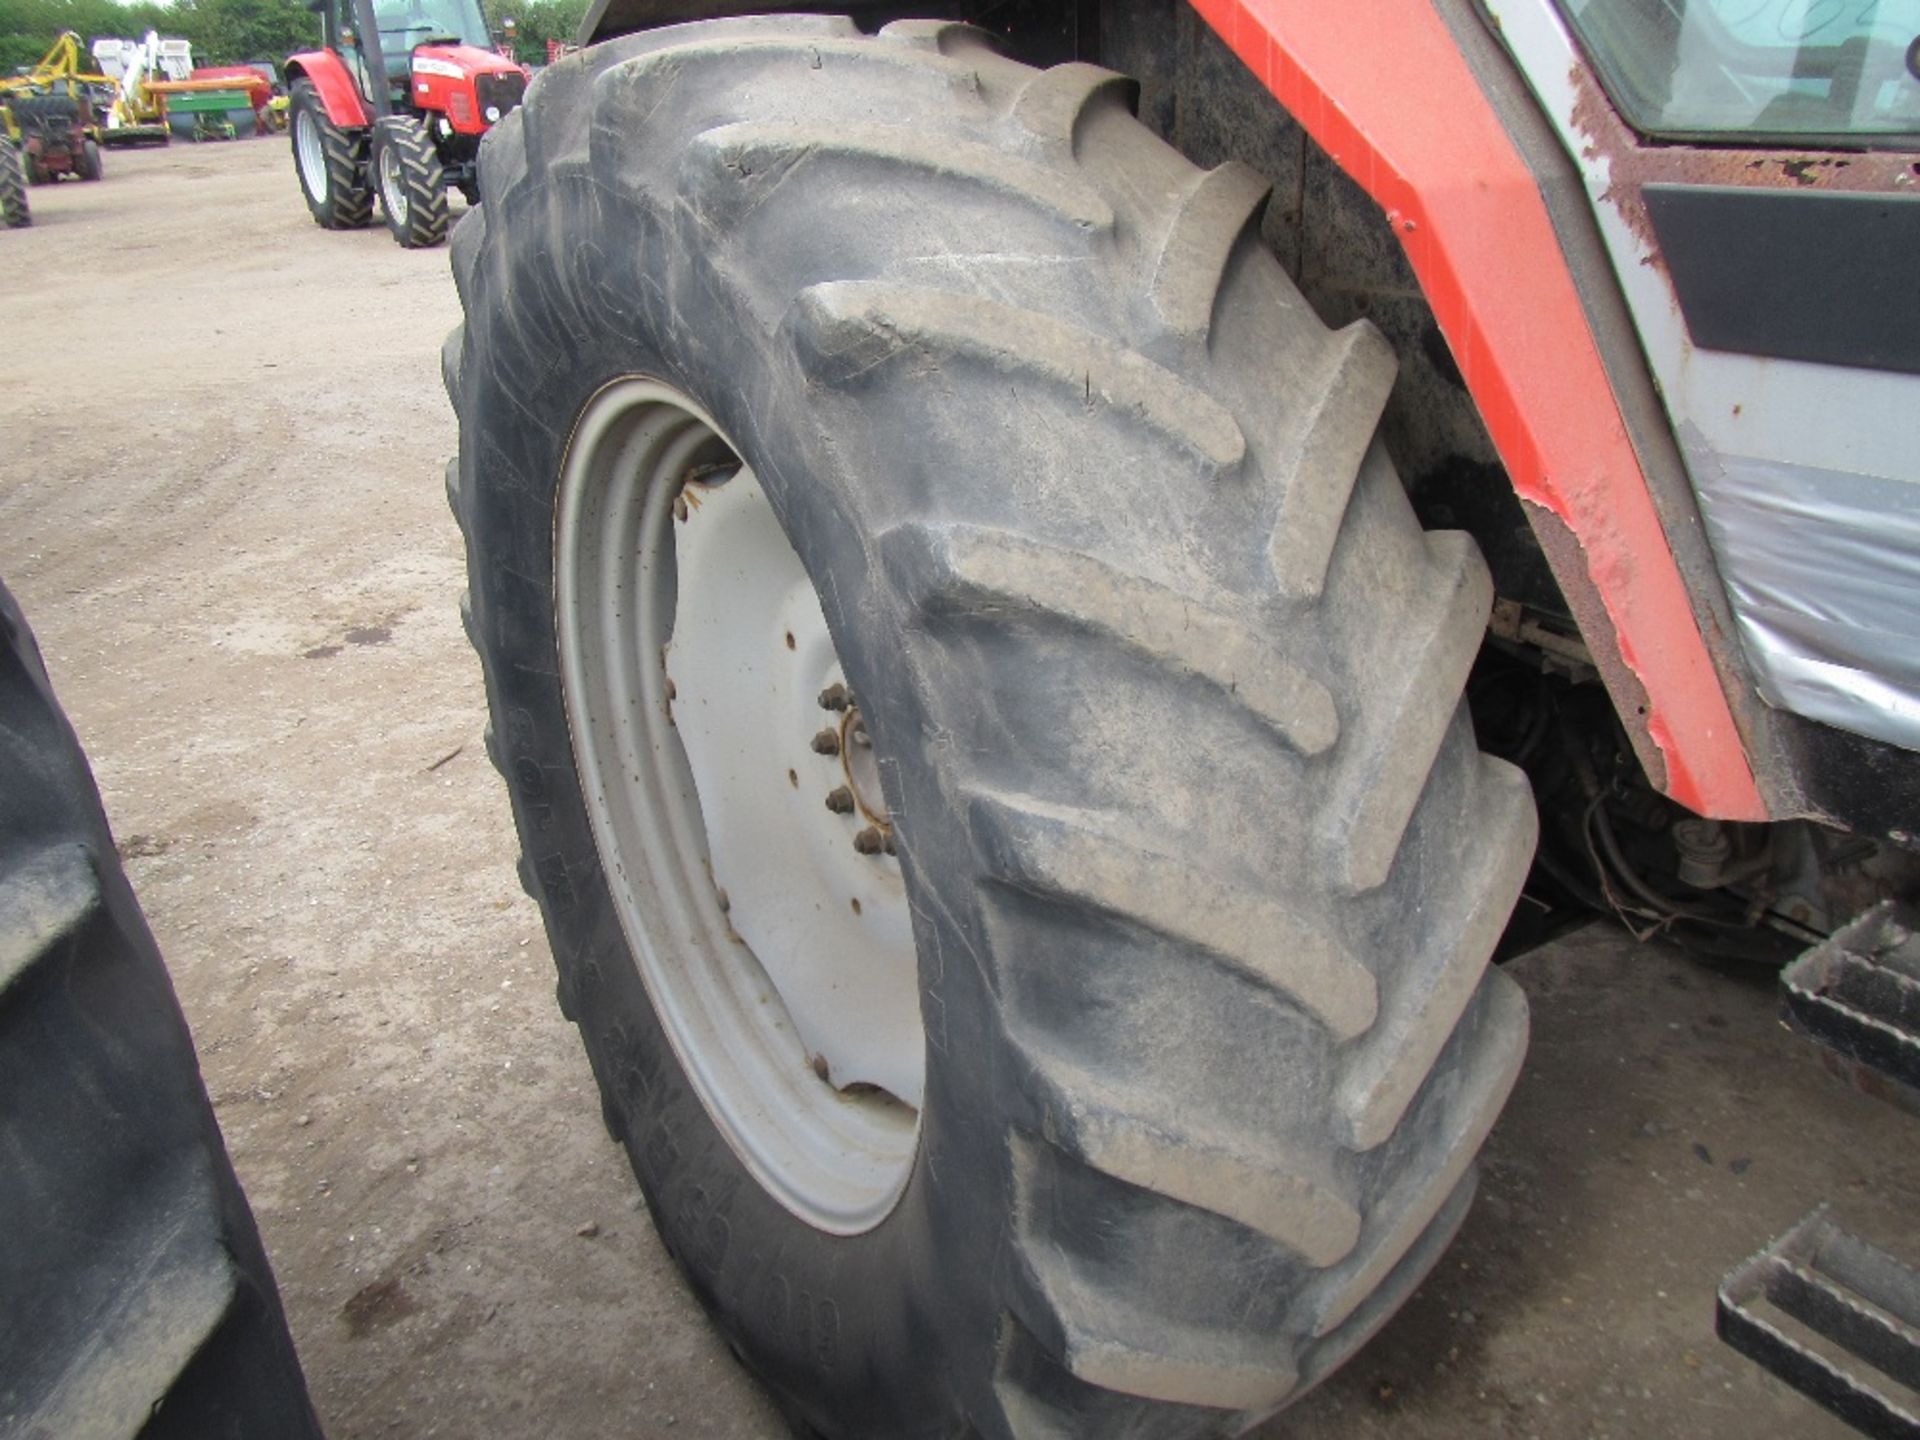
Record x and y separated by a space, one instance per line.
15 212
138 1300
331 163
413 186
794 354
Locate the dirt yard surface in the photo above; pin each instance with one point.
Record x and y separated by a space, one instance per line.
221 442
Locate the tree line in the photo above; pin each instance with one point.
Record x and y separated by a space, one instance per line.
231 32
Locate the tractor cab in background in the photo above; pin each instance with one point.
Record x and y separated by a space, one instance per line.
395 105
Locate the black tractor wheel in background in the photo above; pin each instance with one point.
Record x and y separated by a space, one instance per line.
331 163
15 212
138 1299
413 187
1162 683
89 166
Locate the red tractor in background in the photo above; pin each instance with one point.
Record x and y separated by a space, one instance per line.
410 133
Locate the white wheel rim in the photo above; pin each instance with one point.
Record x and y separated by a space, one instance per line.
391 190
720 790
313 160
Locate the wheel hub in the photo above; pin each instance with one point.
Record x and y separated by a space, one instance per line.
734 792
857 765
307 150
749 660
393 193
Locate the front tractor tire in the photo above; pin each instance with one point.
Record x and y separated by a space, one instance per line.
413 186
90 166
331 162
994 412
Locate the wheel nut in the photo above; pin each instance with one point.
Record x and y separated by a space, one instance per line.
887 844
868 841
840 801
834 697
826 743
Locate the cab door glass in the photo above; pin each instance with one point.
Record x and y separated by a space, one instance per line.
1847 71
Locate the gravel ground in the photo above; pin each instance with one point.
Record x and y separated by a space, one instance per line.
221 441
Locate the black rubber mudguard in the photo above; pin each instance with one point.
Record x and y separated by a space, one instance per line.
135 1297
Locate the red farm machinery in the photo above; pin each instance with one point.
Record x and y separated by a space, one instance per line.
395 104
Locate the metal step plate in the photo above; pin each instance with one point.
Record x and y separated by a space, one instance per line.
1855 1306
1858 995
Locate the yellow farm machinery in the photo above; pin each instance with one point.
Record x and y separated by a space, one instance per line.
160 95
135 92
51 115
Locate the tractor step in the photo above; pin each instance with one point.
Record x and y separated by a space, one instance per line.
1837 1319
1858 996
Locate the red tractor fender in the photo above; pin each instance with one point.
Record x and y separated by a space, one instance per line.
1383 88
329 76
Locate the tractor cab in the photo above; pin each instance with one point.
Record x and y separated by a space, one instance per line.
408 31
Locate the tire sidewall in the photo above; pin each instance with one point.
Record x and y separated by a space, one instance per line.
383 138
305 106
816 1315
